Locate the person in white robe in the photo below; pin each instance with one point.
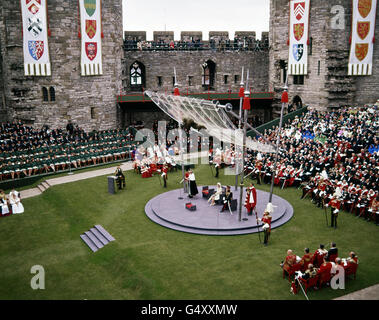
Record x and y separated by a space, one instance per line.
15 202
216 196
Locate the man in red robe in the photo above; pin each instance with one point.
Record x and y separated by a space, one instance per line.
324 272
306 259
289 261
251 199
318 256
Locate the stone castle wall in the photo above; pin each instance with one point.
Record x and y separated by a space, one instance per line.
159 70
189 69
92 101
327 83
75 95
188 63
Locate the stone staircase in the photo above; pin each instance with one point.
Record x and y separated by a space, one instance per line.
96 238
43 186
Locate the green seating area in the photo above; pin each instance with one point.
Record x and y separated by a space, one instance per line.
26 152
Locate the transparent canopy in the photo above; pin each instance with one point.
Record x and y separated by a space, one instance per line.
207 114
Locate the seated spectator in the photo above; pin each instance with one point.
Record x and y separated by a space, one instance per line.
325 272
332 253
15 202
4 203
289 261
318 256
338 262
306 259
311 272
352 258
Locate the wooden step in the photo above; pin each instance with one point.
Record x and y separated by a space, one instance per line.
93 238
89 243
99 236
104 233
41 187
46 185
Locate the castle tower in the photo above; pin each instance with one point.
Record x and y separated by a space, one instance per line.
89 101
327 83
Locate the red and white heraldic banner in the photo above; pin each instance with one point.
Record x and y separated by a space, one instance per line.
298 37
90 23
34 31
362 37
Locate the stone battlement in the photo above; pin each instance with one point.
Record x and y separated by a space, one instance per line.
193 40
192 35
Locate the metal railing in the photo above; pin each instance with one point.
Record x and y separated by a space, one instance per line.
273 123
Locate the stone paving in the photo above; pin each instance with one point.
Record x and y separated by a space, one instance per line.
87 175
370 293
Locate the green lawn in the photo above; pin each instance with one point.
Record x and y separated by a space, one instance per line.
148 261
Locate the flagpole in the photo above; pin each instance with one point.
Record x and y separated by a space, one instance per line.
177 93
284 101
241 95
245 109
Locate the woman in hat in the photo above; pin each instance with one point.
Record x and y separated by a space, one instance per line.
192 184
216 196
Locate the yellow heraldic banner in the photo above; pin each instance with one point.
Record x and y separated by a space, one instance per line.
298 37
35 44
90 22
362 37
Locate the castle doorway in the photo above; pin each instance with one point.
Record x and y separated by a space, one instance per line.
297 103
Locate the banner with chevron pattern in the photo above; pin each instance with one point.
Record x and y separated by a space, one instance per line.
90 22
362 37
298 37
35 44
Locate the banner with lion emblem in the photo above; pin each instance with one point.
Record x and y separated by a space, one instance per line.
35 44
90 22
362 37
298 37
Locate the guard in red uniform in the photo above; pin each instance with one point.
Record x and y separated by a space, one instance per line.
164 176
266 220
251 199
335 205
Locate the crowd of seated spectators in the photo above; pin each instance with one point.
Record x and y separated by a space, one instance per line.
238 44
27 151
330 155
316 269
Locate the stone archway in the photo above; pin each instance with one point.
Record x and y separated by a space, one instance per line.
297 103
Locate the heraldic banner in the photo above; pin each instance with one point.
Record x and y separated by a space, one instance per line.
36 49
298 37
90 21
362 37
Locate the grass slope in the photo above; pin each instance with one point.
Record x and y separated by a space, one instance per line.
148 261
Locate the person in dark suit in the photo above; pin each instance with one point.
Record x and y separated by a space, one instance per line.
333 251
227 199
120 178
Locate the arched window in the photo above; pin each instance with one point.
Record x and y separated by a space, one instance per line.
52 94
297 103
137 75
209 70
45 94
